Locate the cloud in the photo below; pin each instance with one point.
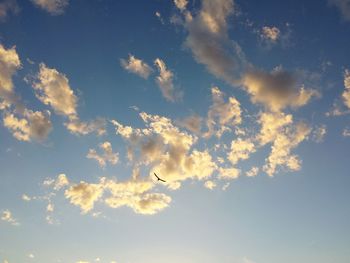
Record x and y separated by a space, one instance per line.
346 93
54 7
209 42
7 7
35 125
9 64
222 114
6 216
52 88
24 124
136 66
165 82
284 142
192 123
229 173
318 133
240 150
346 132
26 198
135 193
166 150
78 127
84 195
210 184
107 154
343 6
270 34
279 130
252 172
276 90
181 4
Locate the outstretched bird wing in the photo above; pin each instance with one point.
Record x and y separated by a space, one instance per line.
159 179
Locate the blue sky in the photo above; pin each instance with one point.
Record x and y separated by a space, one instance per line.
242 107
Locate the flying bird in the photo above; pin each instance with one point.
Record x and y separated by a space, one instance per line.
159 179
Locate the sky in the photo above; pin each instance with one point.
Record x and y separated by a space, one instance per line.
241 107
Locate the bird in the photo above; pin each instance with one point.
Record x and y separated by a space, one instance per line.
159 179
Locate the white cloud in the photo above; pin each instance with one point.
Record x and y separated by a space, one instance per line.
34 125
26 198
210 184
84 195
136 66
252 172
229 173
277 89
270 34
52 88
6 216
343 6
240 150
222 114
7 7
54 7
192 123
284 142
135 193
78 127
346 93
181 4
318 133
209 42
9 64
165 82
107 155
346 132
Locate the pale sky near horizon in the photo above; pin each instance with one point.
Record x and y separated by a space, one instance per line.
242 107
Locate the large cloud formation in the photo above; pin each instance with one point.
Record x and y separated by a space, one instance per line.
24 124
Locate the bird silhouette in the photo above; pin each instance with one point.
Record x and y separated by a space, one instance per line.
159 179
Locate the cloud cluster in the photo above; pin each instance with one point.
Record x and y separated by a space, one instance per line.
53 89
107 156
270 34
167 149
279 130
24 124
223 115
136 66
6 216
33 125
54 7
135 193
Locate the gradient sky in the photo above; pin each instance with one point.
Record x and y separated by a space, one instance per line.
241 106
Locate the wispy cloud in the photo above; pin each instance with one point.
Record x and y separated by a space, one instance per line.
53 7
7 216
136 66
